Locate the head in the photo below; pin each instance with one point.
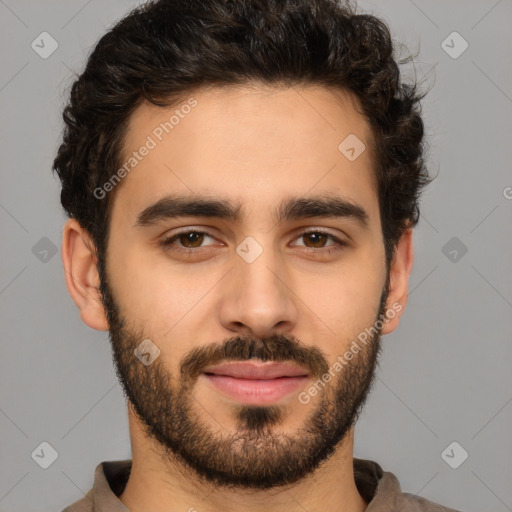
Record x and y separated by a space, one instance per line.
201 142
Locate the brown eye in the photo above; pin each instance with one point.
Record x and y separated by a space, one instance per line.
317 239
186 240
191 241
193 238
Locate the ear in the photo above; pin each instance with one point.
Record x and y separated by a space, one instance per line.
82 279
399 273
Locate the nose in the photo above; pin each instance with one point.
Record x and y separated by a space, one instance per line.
257 297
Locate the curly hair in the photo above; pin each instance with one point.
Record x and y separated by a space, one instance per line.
163 50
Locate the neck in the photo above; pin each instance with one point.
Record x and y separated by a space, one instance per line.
162 485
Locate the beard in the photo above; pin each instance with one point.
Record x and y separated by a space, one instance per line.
255 455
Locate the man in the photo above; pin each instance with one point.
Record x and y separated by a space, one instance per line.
242 180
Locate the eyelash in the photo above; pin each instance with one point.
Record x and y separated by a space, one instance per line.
167 242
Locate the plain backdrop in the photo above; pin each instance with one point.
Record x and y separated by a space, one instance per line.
444 375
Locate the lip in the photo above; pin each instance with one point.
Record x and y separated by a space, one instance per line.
256 383
257 370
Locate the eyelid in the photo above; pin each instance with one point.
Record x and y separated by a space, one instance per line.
167 240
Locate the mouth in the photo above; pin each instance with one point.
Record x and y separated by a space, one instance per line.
256 382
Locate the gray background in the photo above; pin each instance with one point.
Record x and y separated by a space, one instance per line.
445 373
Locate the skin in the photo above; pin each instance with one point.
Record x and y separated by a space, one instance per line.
256 145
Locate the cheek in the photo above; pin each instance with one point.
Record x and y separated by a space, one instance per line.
344 301
159 294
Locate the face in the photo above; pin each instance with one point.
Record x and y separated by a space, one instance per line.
248 249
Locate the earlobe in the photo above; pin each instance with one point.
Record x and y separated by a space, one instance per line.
81 275
400 271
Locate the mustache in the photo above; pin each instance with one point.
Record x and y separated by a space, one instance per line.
278 348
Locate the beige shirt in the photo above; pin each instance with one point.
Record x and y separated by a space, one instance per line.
379 488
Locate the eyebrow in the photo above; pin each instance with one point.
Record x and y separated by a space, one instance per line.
295 208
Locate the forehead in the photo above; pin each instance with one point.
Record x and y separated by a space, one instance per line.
253 145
